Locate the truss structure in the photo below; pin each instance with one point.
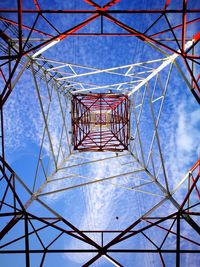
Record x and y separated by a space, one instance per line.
120 118
100 122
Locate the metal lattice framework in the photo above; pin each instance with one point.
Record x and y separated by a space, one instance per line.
105 117
100 122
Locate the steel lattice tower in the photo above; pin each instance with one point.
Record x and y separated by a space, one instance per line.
114 126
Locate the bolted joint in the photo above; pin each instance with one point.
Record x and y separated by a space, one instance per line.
102 251
101 12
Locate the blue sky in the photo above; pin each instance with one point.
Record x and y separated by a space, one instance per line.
97 205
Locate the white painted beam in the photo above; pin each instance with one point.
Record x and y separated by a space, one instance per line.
168 60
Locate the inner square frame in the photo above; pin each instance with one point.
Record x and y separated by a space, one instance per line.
100 122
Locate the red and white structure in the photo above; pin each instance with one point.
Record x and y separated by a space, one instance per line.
99 117
100 122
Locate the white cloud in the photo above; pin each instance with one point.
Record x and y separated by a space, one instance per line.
187 132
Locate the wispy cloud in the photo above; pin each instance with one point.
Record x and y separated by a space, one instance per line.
184 139
22 117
